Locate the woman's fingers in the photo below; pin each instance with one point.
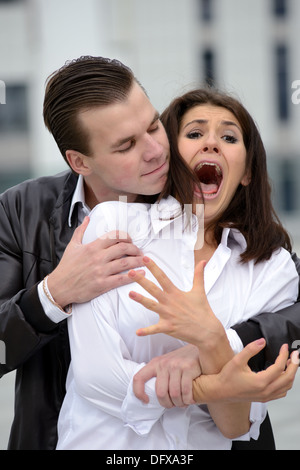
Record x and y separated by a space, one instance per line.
249 351
159 274
145 301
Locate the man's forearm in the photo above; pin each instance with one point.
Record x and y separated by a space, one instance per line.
278 328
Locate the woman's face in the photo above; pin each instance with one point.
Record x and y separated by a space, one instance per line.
211 142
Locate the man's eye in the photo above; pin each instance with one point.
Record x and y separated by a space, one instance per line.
154 127
129 147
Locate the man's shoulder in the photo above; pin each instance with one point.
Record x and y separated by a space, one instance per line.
42 187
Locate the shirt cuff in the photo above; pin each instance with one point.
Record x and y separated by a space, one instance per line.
258 413
234 340
140 417
54 313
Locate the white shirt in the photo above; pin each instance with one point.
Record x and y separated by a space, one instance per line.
100 410
55 314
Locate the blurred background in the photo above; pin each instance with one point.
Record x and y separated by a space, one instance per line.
247 47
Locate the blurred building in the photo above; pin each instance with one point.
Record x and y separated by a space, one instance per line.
246 47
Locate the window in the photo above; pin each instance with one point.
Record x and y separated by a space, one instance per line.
208 65
206 10
283 99
14 113
280 8
9 1
288 185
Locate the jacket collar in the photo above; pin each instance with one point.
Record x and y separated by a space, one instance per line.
60 232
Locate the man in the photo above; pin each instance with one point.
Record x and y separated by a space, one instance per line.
44 265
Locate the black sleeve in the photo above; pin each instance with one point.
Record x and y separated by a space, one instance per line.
24 326
279 328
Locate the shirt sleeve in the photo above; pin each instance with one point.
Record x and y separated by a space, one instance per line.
234 340
258 413
102 366
54 313
275 284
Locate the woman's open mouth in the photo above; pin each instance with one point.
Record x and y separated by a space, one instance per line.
210 176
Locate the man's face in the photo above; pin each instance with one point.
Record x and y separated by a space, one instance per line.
129 149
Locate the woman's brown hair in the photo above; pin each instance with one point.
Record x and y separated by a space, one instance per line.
251 210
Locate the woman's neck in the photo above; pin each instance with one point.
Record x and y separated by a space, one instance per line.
209 246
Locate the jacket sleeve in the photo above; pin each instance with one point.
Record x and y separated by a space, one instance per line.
24 328
279 328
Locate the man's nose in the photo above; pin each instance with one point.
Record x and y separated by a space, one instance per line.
153 149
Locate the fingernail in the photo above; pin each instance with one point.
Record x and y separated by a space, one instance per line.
132 273
295 357
132 295
146 259
260 341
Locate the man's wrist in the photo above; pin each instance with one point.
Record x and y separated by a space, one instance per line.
55 314
57 291
66 309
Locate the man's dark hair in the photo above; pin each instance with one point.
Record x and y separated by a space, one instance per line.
79 85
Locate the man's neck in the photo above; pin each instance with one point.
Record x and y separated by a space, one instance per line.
92 199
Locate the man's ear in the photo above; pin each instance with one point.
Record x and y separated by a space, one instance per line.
78 162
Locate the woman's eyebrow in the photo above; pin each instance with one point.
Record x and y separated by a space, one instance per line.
205 121
231 123
196 121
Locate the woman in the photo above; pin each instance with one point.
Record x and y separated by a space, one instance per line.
250 211
100 409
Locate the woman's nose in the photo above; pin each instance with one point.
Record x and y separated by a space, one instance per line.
210 145
208 149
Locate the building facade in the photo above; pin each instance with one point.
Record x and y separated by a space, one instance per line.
246 47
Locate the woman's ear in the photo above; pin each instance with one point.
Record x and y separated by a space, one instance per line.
246 179
78 162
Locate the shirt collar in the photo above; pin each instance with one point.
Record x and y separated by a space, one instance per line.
233 236
163 213
78 198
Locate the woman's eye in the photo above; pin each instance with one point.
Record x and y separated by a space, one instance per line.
194 135
230 139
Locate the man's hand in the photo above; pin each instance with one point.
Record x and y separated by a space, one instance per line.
237 383
174 374
87 271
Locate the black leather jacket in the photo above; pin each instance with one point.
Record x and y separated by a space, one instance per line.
34 232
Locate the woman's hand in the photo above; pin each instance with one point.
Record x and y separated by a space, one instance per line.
183 315
237 383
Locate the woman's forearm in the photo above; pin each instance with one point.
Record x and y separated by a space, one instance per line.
232 419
